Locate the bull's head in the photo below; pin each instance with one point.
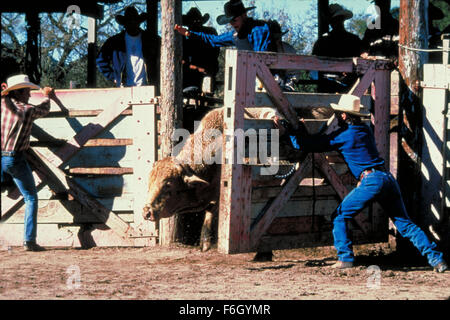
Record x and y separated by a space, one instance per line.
173 189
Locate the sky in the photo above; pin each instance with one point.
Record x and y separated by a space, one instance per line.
297 8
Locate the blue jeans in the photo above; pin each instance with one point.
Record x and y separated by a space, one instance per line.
17 167
381 187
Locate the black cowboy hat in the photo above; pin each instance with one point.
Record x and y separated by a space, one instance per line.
194 16
233 9
131 14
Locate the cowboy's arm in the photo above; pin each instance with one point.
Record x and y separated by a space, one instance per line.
222 40
104 60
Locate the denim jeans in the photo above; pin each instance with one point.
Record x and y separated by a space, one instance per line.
17 167
381 187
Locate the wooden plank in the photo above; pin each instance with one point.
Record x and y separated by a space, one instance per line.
364 83
232 213
100 171
82 113
67 151
302 192
331 175
145 155
301 100
110 219
382 111
298 207
265 219
306 62
276 95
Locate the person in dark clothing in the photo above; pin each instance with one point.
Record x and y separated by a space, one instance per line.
356 143
381 38
125 58
199 59
339 43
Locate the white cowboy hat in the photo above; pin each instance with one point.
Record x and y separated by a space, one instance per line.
351 104
17 82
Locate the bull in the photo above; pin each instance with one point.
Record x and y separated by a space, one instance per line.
180 185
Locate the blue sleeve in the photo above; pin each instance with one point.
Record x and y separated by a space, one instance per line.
316 143
104 66
260 38
222 40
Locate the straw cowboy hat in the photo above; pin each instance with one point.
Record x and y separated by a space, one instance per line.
233 9
131 14
350 104
19 82
194 16
335 10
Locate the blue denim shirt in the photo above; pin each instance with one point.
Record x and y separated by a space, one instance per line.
258 36
356 143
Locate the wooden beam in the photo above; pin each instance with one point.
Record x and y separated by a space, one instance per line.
49 171
234 215
100 171
100 122
92 53
306 62
363 83
382 113
322 163
262 222
276 95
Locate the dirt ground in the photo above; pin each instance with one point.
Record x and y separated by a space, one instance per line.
183 272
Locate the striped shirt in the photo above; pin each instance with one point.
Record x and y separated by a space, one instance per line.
17 120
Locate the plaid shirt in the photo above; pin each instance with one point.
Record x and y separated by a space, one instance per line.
258 37
17 120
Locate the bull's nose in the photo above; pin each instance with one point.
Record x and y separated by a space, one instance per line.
148 214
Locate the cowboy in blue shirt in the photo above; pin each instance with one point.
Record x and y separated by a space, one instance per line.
356 143
248 34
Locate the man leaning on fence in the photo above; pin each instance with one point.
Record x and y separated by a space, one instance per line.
356 143
17 119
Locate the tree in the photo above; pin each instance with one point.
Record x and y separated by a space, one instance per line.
63 51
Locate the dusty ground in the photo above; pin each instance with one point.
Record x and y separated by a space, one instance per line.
182 272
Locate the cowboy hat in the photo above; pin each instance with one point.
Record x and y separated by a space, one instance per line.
233 9
194 16
350 104
17 82
336 10
131 14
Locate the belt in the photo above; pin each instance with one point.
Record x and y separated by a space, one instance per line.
10 153
370 170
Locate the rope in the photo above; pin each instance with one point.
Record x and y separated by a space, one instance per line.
441 49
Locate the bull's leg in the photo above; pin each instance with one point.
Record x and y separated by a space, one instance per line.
206 235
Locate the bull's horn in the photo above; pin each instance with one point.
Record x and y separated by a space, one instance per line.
193 179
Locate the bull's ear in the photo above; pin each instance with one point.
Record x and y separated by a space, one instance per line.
194 180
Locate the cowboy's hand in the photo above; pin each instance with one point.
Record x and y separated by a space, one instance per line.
279 125
48 92
182 31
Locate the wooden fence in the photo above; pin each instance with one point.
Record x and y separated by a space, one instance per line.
265 213
91 157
